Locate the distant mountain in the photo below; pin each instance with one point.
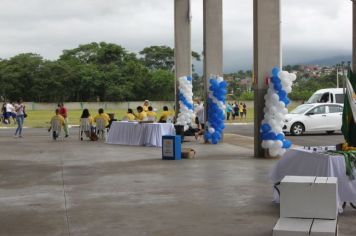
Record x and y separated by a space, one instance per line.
328 61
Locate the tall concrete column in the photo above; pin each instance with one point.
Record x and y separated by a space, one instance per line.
182 43
213 42
267 54
353 35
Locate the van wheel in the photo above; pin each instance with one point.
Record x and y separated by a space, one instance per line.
297 129
330 131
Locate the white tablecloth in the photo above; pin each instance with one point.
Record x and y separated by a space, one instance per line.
134 133
301 162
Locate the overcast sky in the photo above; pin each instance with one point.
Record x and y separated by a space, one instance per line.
311 29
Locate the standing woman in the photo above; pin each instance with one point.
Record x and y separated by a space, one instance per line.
20 116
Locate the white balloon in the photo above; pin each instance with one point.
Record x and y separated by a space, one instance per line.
293 76
278 144
269 143
288 89
280 74
275 98
279 130
273 152
220 79
281 105
211 130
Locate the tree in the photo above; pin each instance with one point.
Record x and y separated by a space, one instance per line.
161 57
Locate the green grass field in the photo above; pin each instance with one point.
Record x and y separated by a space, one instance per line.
41 119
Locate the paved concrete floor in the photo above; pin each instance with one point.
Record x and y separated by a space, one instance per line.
91 188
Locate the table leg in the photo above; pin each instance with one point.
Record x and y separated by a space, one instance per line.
275 186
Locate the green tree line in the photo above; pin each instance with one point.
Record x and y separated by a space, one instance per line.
91 72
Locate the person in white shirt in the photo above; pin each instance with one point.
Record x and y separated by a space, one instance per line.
20 116
200 113
9 109
13 112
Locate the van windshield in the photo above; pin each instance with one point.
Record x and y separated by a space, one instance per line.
301 109
315 98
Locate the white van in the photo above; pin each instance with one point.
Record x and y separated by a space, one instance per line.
330 95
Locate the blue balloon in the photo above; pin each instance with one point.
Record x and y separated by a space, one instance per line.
271 136
287 144
275 71
189 78
223 84
265 128
277 87
282 94
280 137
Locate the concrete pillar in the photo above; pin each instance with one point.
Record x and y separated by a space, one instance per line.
353 35
267 54
213 42
182 42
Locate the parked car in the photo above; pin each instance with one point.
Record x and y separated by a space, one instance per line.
314 117
328 95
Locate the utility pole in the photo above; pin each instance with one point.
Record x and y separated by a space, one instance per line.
343 76
337 76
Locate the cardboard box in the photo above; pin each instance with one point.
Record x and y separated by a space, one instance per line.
324 228
292 227
310 227
308 197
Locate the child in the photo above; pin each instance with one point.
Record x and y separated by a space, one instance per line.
54 119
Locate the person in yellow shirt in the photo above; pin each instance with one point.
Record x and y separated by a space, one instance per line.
54 119
151 114
146 104
103 116
129 115
165 114
241 110
142 115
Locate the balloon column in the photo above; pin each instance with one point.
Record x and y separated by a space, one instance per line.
186 109
276 102
216 109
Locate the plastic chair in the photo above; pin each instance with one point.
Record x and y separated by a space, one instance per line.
84 127
56 126
100 128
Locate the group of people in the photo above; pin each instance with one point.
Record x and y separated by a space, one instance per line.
61 118
15 111
144 113
236 110
147 113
